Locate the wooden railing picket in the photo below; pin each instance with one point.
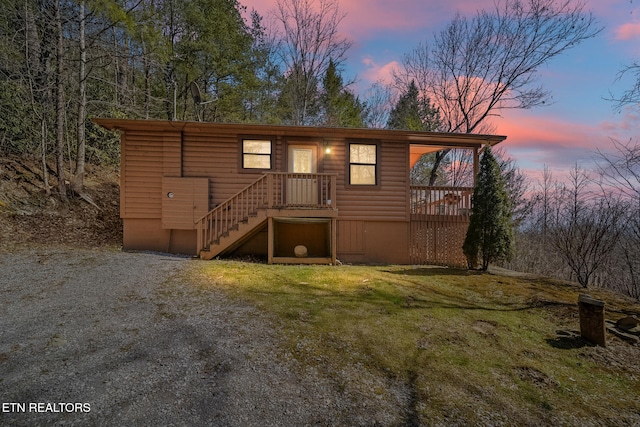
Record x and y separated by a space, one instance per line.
267 192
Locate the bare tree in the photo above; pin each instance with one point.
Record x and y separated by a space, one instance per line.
631 96
77 182
62 186
586 229
378 103
620 169
480 66
309 39
620 175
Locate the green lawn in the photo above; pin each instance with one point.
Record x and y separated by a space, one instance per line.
472 348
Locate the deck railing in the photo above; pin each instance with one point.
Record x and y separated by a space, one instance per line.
445 202
439 222
276 190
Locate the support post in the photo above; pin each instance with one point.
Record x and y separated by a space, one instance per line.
270 238
476 165
334 238
270 190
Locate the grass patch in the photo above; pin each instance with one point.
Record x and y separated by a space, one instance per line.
467 347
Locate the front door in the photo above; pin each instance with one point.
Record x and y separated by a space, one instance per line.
302 188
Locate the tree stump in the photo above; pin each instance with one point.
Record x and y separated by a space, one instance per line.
592 326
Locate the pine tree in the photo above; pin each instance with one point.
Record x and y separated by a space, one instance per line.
341 108
414 112
490 233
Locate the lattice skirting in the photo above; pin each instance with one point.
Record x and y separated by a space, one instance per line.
438 243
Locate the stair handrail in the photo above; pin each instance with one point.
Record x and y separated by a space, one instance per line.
232 211
266 192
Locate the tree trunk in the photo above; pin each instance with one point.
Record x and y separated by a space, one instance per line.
45 171
440 155
78 178
62 187
147 80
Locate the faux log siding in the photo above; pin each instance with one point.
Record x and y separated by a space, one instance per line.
143 153
190 202
351 237
217 156
172 165
389 201
151 155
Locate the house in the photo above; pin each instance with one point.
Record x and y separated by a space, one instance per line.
294 194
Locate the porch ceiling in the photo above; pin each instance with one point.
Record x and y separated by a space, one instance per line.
416 151
464 141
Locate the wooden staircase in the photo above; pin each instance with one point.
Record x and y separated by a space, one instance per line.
235 235
238 218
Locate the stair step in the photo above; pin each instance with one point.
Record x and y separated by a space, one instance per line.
232 234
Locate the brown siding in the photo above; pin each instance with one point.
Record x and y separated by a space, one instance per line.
351 237
172 151
189 202
384 242
143 153
216 155
388 201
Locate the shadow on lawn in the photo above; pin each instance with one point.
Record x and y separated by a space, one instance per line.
435 271
568 340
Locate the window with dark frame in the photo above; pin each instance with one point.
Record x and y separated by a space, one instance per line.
256 154
363 164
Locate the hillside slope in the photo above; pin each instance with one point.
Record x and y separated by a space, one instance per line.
29 216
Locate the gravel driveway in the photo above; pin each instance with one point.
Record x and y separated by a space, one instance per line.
100 337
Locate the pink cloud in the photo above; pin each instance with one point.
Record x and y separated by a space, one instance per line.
535 141
627 126
628 31
367 17
538 140
526 130
375 72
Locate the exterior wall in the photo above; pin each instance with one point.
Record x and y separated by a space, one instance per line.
389 201
149 156
377 242
374 222
256 245
148 235
216 155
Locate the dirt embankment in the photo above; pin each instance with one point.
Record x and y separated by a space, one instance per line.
29 216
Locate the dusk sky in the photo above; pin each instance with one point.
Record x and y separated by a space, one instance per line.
558 135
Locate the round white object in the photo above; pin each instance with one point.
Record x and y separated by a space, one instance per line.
301 251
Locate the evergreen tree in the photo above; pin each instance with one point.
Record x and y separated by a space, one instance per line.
490 233
340 107
415 112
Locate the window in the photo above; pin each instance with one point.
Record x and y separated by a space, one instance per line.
256 154
362 164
